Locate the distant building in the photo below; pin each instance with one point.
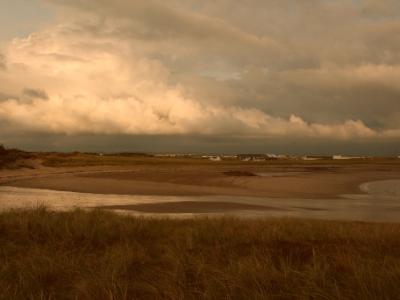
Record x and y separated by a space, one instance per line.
257 157
229 156
310 158
341 157
166 155
215 158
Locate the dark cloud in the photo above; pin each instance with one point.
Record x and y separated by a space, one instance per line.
35 93
2 62
198 144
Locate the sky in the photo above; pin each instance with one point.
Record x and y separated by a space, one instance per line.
19 18
311 76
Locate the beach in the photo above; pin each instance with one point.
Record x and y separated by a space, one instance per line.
177 179
190 187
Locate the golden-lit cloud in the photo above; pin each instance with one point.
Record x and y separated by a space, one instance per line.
253 69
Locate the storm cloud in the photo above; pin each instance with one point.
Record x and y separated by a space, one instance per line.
2 62
252 69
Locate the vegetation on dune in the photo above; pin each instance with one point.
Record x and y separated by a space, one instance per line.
10 158
99 255
89 159
14 158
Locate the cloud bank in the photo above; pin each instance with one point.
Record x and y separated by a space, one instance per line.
256 69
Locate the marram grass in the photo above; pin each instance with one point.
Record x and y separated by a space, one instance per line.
99 255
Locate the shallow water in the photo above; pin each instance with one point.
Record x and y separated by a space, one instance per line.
381 202
384 188
279 174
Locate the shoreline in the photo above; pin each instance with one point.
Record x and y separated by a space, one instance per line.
326 183
376 206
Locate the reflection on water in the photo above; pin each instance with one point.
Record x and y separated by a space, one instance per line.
381 203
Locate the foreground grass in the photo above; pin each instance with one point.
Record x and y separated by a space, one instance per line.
98 255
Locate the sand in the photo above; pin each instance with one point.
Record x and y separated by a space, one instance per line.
291 181
188 207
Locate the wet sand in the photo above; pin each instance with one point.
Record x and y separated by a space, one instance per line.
186 207
288 181
380 204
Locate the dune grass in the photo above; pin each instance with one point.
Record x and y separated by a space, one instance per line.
9 158
99 255
14 158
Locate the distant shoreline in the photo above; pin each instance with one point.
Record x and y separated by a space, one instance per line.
169 177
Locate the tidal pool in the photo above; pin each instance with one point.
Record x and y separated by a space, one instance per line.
380 202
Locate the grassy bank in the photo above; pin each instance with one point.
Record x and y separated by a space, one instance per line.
13 158
97 255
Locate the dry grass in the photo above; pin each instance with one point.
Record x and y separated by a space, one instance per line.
83 160
99 255
13 158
